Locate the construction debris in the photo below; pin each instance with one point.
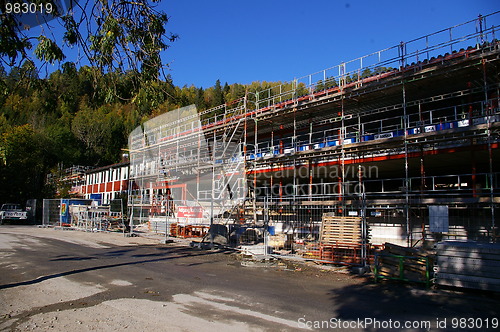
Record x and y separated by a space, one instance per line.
404 264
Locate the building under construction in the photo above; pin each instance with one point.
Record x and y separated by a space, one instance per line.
397 146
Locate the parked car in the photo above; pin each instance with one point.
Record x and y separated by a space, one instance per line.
11 212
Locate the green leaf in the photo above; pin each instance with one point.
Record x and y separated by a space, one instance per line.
47 50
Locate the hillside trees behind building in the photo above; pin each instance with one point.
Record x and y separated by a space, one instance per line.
69 118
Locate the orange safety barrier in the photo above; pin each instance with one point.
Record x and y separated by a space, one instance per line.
188 231
340 253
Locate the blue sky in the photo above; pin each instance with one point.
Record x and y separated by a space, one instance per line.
241 41
277 40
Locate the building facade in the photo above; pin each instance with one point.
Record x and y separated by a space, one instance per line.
107 183
405 139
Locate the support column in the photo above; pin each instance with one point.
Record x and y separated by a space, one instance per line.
405 128
310 172
422 187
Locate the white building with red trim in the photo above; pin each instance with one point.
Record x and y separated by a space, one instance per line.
107 182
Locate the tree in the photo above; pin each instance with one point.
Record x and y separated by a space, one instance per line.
3 73
23 164
64 146
200 100
320 85
115 36
218 95
102 132
89 127
4 124
226 89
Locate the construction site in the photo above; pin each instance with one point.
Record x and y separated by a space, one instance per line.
399 146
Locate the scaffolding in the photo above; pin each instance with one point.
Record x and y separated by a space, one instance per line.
186 175
381 138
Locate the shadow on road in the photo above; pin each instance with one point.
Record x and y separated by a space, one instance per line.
165 255
72 259
396 301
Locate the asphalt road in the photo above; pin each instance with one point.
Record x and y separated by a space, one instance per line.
54 280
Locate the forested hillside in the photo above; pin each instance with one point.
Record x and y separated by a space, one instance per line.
78 116
82 115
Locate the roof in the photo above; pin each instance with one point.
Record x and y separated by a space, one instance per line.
104 168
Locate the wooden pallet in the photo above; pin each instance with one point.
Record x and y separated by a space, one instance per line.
340 230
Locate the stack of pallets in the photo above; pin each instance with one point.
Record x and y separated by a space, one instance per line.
341 241
340 230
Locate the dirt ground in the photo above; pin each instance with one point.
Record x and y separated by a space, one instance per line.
65 304
55 280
